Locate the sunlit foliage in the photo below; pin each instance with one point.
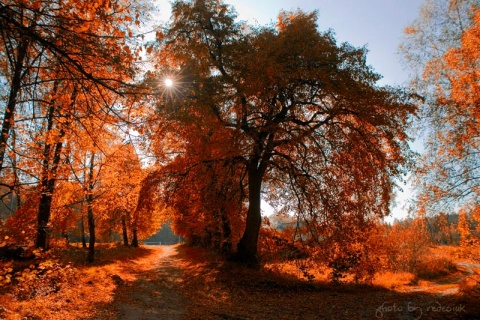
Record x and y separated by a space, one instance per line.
442 44
287 113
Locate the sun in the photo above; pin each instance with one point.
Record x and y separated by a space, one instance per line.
168 82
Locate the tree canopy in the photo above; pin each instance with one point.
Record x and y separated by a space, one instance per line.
66 70
281 113
298 118
448 177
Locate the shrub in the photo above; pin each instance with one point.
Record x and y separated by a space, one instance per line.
433 267
39 277
406 245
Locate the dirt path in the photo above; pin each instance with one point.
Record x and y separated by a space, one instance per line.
154 293
451 285
177 282
186 283
468 268
180 282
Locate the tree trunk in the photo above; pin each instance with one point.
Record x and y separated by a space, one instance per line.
47 184
43 218
90 217
82 229
226 246
8 116
67 239
134 238
450 235
134 229
247 247
16 194
91 230
124 229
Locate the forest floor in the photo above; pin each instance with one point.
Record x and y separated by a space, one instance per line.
178 282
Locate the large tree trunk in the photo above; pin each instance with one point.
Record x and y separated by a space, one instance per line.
124 229
8 116
43 218
247 247
47 184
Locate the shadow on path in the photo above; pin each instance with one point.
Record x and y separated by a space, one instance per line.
178 282
153 295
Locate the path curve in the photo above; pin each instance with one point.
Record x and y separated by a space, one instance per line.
451 287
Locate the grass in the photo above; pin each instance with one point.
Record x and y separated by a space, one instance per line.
435 267
68 283
279 291
105 253
394 280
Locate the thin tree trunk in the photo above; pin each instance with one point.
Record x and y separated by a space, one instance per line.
226 246
8 117
48 186
16 191
134 238
91 231
134 229
90 217
82 229
450 234
124 229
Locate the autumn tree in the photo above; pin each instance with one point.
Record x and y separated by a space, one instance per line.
106 174
438 27
406 244
79 36
466 237
67 62
203 192
121 183
87 175
442 46
441 228
306 122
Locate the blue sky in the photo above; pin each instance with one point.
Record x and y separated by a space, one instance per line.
376 24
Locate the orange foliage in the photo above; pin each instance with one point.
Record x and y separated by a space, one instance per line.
65 93
283 114
406 245
447 176
21 226
202 193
